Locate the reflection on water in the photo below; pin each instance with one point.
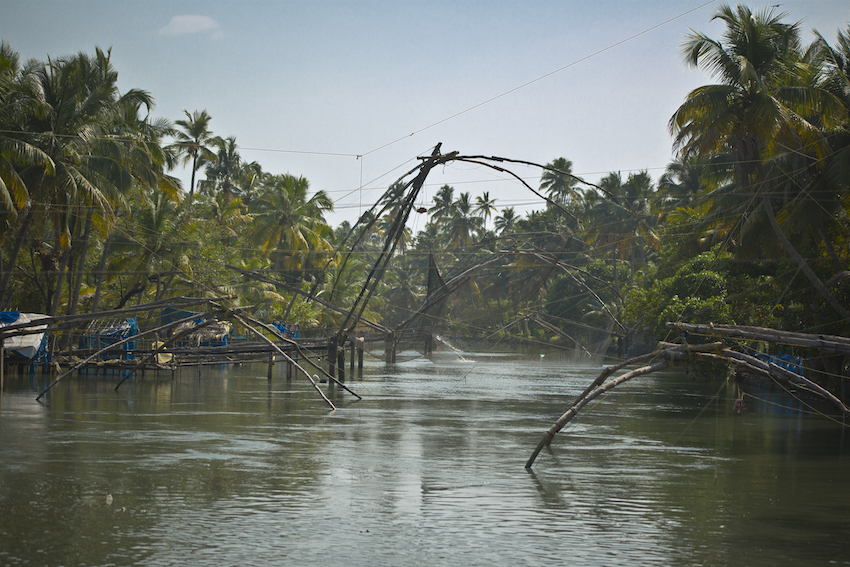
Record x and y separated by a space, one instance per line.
229 469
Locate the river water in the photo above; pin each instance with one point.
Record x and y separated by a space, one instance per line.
227 468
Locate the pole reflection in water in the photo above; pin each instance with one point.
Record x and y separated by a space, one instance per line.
428 468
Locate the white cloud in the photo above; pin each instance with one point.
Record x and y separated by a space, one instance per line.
182 25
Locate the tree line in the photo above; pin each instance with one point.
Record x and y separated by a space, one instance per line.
747 225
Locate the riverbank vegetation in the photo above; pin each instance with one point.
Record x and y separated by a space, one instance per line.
748 225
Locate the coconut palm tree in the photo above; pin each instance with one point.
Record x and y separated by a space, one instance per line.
463 227
192 143
17 100
288 222
506 221
622 221
559 182
761 108
222 173
443 203
79 107
484 206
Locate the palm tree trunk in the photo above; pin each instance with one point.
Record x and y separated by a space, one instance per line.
78 282
5 297
57 292
192 183
768 207
101 271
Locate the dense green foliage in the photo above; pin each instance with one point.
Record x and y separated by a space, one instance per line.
747 225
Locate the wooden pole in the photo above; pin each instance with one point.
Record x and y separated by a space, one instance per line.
271 365
331 356
274 346
340 362
242 317
571 413
360 362
389 348
674 354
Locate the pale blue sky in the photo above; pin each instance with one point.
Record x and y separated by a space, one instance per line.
350 77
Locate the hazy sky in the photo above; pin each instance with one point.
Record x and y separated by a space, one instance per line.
348 93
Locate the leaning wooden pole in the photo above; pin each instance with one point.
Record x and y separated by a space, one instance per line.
288 358
672 355
575 408
274 346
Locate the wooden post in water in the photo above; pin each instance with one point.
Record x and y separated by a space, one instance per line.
271 365
290 365
351 364
389 348
340 362
331 356
360 361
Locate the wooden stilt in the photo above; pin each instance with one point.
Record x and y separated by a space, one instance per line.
389 348
271 365
331 357
340 362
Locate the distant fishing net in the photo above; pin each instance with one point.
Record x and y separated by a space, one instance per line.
421 335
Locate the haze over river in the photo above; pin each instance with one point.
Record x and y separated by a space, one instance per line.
227 468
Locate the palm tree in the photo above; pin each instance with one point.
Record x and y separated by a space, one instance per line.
505 222
759 110
222 172
681 183
80 104
463 227
249 181
622 221
443 203
16 101
559 182
193 141
484 206
288 222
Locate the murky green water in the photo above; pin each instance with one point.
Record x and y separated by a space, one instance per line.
227 469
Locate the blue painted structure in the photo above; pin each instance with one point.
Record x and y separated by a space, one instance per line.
100 334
